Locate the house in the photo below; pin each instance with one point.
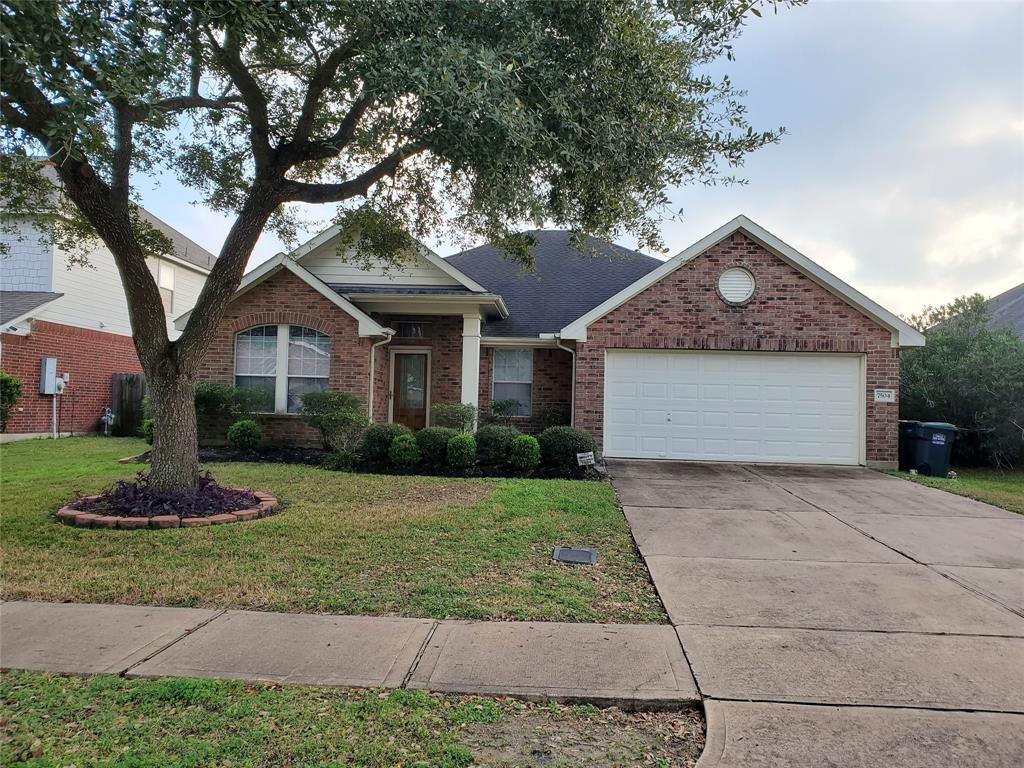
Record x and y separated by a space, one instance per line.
1007 310
79 315
737 349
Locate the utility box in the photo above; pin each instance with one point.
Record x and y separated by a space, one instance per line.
48 376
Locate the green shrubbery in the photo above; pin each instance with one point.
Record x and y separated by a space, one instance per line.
377 441
147 430
245 435
554 415
494 443
10 393
559 446
433 445
525 453
458 416
461 452
404 453
213 398
338 417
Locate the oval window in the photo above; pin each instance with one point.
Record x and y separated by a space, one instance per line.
736 285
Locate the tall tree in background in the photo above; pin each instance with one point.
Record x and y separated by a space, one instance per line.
476 114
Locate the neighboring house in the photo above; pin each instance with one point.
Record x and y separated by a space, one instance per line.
738 349
79 315
1007 310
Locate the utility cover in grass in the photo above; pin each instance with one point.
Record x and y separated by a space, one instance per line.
575 556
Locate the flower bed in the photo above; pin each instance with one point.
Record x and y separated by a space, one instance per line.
266 505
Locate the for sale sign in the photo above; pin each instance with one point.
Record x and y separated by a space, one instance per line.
585 459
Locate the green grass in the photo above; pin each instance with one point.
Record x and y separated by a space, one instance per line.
999 487
344 543
52 721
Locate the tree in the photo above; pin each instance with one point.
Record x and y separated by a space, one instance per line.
969 375
413 116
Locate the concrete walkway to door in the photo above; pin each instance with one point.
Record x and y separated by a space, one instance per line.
837 616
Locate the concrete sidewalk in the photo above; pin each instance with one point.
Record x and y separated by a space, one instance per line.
629 666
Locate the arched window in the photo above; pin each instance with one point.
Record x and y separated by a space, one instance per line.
282 372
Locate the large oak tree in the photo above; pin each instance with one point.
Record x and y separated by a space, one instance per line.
479 115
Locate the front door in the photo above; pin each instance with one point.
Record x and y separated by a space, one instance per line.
409 389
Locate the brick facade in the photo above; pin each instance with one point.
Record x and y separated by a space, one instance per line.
552 383
788 313
91 357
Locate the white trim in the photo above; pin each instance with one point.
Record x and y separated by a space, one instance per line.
903 335
182 262
367 325
392 351
333 231
519 341
470 391
423 304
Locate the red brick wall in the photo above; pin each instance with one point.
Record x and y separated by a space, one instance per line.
445 345
552 383
90 356
788 313
284 298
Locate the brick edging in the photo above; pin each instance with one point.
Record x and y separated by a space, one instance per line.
81 518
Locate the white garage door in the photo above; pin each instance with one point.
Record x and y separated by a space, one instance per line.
726 406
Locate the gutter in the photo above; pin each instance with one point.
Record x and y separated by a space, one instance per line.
557 338
388 335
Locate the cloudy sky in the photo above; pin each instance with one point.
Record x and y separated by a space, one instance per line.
903 167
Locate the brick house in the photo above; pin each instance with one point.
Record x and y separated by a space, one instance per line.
78 315
737 349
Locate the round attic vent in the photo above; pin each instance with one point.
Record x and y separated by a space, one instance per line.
736 285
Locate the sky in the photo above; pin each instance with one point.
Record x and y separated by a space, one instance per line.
902 169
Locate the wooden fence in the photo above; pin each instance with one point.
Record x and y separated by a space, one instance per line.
128 391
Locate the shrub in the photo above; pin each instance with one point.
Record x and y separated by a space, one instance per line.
339 418
245 435
404 453
494 443
433 445
525 453
139 499
378 438
342 461
559 446
458 416
554 415
501 411
461 452
10 393
147 430
213 398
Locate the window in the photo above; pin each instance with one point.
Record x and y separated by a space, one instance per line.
282 373
165 280
413 329
513 378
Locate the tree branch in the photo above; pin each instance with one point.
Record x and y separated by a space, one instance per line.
301 192
322 77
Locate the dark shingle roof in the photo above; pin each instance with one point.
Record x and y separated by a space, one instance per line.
15 304
1007 309
185 248
565 285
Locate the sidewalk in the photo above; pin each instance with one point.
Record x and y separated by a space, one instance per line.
629 666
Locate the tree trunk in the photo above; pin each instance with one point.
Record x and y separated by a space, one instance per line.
175 458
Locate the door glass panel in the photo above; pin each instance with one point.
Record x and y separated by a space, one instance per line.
412 381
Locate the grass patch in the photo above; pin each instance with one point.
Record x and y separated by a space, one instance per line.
344 543
53 721
999 487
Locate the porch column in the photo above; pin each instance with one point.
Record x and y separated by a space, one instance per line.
471 359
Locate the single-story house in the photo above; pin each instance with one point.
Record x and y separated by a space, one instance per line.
737 349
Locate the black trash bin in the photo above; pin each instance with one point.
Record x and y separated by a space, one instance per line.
926 447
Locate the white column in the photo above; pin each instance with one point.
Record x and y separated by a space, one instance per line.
471 359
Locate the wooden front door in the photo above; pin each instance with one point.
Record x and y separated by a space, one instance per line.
409 390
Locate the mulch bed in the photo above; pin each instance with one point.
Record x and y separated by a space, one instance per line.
268 505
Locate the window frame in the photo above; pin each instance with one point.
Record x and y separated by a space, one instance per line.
281 373
164 267
496 380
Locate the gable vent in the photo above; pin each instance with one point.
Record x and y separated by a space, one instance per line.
736 285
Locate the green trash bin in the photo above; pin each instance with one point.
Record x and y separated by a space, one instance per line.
931 448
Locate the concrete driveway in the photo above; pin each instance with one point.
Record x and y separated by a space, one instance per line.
837 616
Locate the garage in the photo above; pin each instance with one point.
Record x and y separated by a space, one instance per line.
734 406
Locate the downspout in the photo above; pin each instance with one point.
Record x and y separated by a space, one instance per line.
388 335
572 396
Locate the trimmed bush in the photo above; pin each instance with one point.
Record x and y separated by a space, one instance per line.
458 416
377 441
213 398
461 452
245 435
339 418
554 415
433 445
10 393
147 430
559 446
525 453
404 453
494 443
501 411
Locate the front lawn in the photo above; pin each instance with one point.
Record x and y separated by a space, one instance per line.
357 544
52 721
1000 487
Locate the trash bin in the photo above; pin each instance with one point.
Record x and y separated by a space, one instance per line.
926 446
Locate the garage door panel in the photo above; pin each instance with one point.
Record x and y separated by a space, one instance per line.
733 406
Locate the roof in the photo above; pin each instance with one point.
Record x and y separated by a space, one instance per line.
404 290
1007 310
903 334
564 284
14 305
185 249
